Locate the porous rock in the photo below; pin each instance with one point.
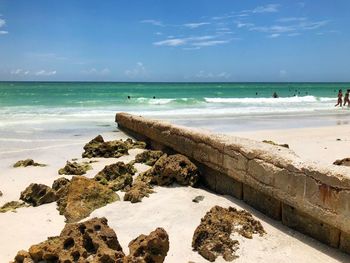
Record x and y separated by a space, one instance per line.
75 168
116 176
82 196
152 248
38 194
59 186
89 241
343 162
276 144
138 191
173 168
12 206
212 238
27 162
148 157
135 144
97 147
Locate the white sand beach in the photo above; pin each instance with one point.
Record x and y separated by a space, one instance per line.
170 207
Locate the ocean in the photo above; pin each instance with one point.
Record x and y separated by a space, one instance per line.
42 108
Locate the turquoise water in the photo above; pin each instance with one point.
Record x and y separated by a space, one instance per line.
37 104
115 94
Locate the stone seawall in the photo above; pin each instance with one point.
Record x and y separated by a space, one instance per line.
308 197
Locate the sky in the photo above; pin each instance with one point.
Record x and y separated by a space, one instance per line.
181 41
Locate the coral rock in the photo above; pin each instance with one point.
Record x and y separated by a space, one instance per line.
99 148
89 241
151 248
148 157
138 191
212 237
116 176
135 144
27 162
75 168
82 196
343 162
174 168
59 186
12 206
38 194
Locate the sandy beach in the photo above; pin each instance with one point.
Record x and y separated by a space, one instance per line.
170 207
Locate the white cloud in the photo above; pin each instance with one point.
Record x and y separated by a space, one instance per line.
210 43
291 19
271 8
174 42
94 71
196 25
199 41
209 75
2 22
241 25
3 32
283 73
274 35
273 29
152 22
158 33
294 34
138 71
45 73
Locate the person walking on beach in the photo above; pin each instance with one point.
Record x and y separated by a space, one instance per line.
340 98
346 98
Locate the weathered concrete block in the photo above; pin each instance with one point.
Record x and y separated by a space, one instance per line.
308 225
344 243
228 186
262 202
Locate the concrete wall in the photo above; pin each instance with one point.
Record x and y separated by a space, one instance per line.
310 198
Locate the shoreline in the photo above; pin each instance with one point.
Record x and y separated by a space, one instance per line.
161 209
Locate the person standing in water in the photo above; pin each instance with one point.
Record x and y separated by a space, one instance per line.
340 98
346 98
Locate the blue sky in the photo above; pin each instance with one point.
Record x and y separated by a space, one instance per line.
183 40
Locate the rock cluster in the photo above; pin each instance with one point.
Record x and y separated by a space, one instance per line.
152 248
90 241
27 162
167 170
343 162
74 168
276 144
38 194
95 241
148 157
97 147
12 206
81 196
116 176
212 238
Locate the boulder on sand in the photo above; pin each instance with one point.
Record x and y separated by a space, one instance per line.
343 162
152 248
148 157
135 144
38 194
27 162
97 147
173 168
12 206
138 191
276 144
116 176
212 238
74 168
82 196
89 241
